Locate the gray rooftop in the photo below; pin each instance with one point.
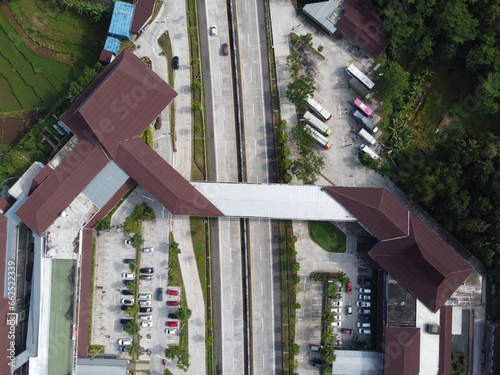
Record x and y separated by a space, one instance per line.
353 362
321 13
101 366
105 184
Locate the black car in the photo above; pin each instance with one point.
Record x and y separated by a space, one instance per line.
172 316
175 62
122 349
129 261
127 292
124 307
126 282
125 321
316 363
159 294
146 277
364 318
145 309
365 283
148 270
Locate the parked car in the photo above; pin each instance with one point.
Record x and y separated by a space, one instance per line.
175 62
171 323
147 270
122 349
125 321
335 310
146 324
126 282
172 292
363 304
365 291
146 277
127 301
172 316
362 325
129 261
145 309
144 303
336 303
127 292
316 363
148 250
364 318
173 303
225 49
124 342
349 310
213 30
338 317
124 307
365 283
170 331
145 317
348 288
159 294
316 348
128 275
364 311
128 241
338 296
347 331
366 297
335 324
364 331
144 295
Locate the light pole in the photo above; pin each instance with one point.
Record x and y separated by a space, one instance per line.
96 353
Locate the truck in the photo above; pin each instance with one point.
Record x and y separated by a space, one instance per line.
321 139
367 150
317 123
365 121
366 136
318 109
359 88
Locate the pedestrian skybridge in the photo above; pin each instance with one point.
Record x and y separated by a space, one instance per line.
273 201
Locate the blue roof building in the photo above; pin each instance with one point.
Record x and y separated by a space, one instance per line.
112 45
121 20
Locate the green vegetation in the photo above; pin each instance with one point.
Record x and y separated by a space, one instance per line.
132 328
94 349
328 236
298 90
91 302
324 277
166 46
458 364
183 313
147 136
105 224
308 166
133 223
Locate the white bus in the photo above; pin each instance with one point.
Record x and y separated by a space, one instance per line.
366 136
317 123
369 151
318 109
322 140
355 72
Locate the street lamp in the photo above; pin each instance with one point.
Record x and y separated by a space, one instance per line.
96 353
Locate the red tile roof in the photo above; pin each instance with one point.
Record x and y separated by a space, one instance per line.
120 104
40 177
4 302
162 181
445 323
62 186
106 56
362 24
423 263
142 14
401 351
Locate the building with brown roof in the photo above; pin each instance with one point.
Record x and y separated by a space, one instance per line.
142 14
402 351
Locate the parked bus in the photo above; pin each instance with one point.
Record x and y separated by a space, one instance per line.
365 121
358 103
321 139
359 88
369 151
355 72
366 136
318 109
317 123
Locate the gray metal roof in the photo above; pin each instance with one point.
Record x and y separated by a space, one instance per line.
105 184
353 362
23 185
273 201
321 13
101 366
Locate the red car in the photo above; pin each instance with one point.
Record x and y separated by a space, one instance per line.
172 292
347 331
348 288
171 323
225 49
173 303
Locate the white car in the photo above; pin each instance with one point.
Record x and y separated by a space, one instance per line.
366 297
338 317
145 317
336 303
128 275
144 303
148 250
146 324
124 342
335 324
127 301
144 296
128 242
364 331
335 310
213 30
171 331
365 291
363 304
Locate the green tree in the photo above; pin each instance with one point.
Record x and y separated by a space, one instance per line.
134 349
183 313
197 106
196 85
328 354
132 287
308 168
393 83
132 328
133 310
332 289
298 91
174 248
137 241
294 349
285 164
307 39
294 266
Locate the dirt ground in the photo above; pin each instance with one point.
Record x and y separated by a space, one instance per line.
14 127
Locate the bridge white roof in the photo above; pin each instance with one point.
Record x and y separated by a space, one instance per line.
273 201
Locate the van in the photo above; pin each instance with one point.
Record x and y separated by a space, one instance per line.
363 325
364 331
316 348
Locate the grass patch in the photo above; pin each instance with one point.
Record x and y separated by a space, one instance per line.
166 45
328 236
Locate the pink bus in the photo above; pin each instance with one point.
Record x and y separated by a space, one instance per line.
363 107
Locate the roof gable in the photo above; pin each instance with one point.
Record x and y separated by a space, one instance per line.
401 351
